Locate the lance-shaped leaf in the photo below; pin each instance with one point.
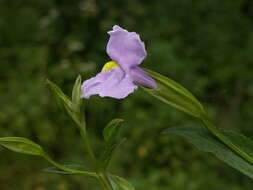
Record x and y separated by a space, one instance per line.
26 146
173 94
65 102
177 96
205 141
120 183
21 145
59 95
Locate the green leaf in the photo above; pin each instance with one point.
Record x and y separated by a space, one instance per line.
111 130
69 166
175 95
120 183
60 96
21 145
205 141
65 102
243 142
76 93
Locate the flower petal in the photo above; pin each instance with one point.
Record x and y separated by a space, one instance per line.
114 83
126 48
140 77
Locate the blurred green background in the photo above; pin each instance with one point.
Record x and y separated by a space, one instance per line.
206 45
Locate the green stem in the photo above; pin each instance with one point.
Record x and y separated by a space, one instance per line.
104 181
89 149
72 171
100 174
82 127
211 127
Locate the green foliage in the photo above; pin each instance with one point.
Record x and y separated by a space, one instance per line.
70 166
173 94
61 97
205 141
204 45
109 150
76 94
21 145
26 146
72 108
110 134
111 130
120 183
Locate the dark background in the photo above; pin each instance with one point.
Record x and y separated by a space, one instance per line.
206 45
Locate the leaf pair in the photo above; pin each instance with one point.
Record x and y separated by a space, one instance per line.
230 147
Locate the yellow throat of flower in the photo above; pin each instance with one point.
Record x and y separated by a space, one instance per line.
109 65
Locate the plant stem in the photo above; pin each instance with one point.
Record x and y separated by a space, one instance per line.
72 171
100 173
104 181
82 128
211 127
88 148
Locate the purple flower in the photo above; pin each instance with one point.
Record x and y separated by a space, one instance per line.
120 77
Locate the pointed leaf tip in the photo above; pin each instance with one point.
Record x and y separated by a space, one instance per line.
21 145
58 92
76 92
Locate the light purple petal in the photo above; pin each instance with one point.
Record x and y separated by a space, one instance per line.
126 48
114 83
140 77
